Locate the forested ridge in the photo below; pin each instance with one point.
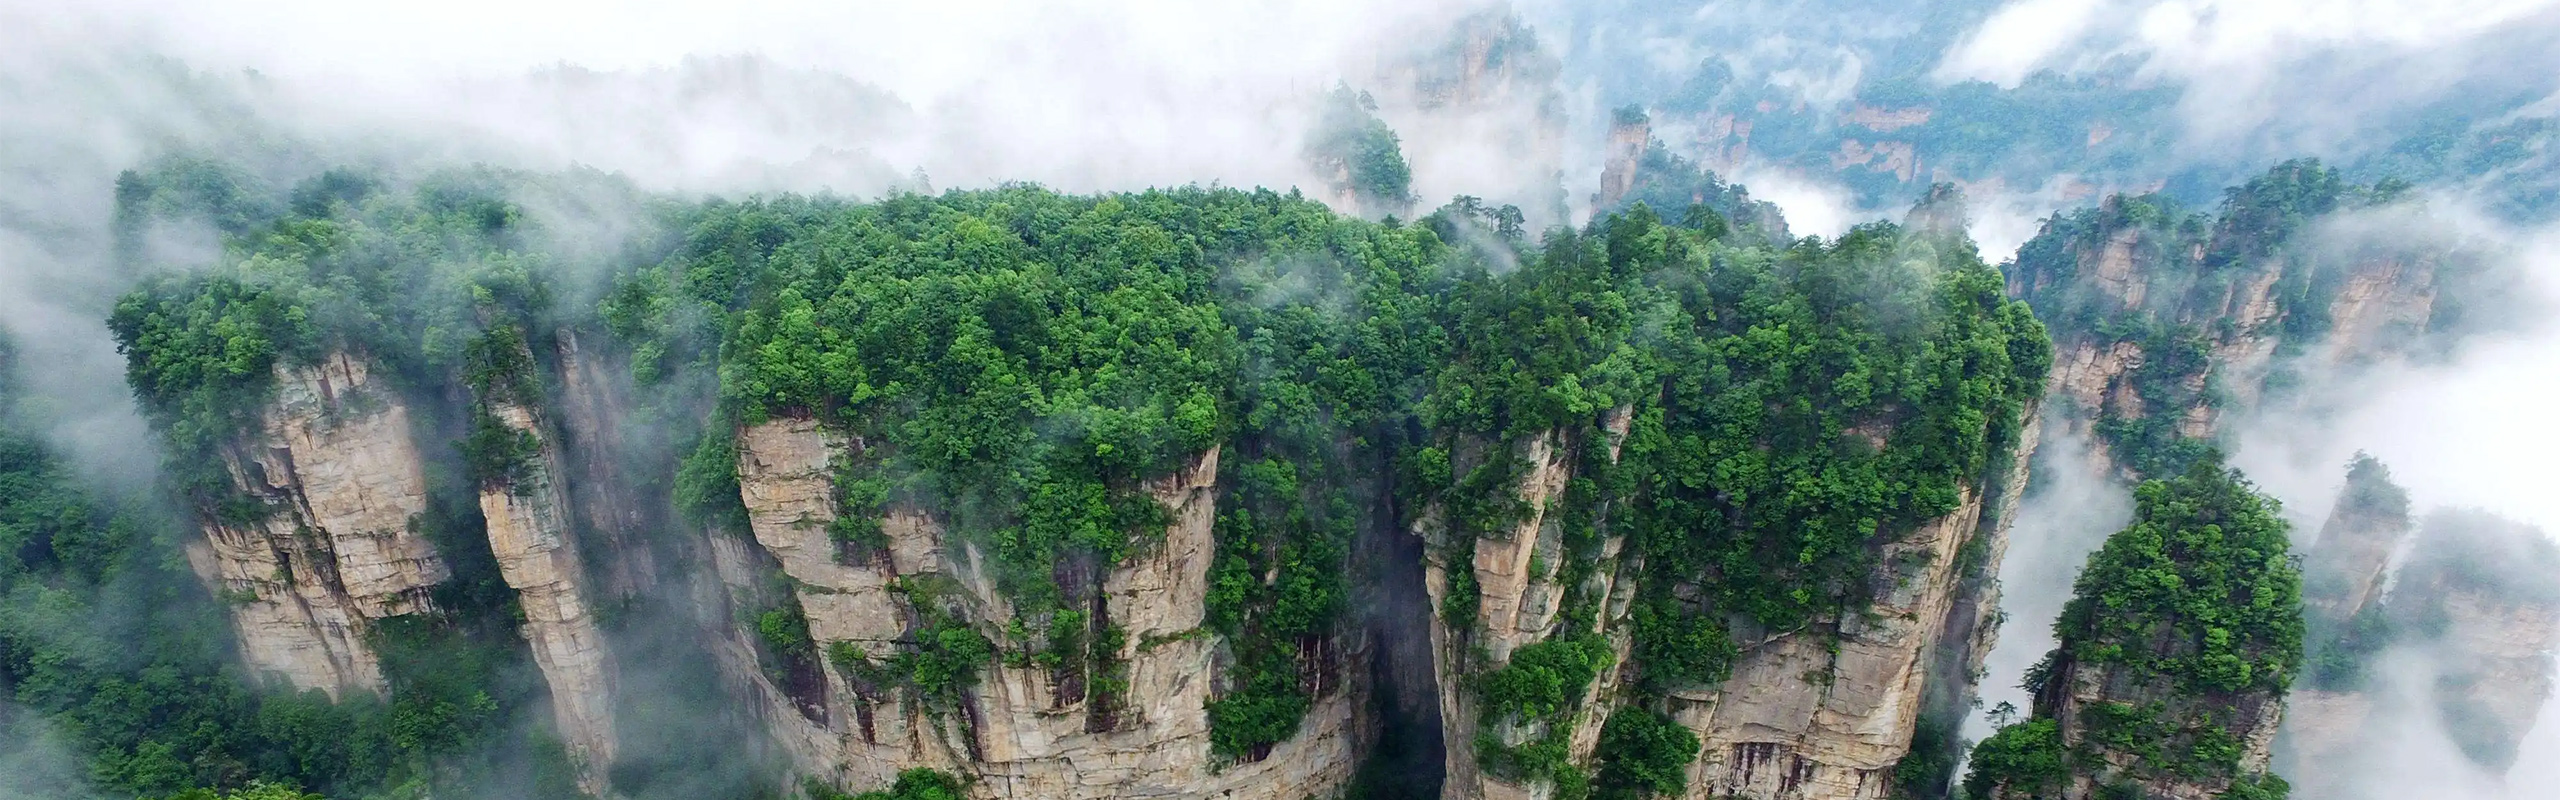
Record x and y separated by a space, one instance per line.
1755 420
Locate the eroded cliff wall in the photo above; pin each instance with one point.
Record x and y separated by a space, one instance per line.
1830 712
2165 324
1022 731
1515 573
529 531
1823 713
336 484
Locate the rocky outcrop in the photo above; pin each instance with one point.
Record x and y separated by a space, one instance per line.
2343 574
2148 309
1828 713
1515 574
2078 691
331 544
1815 714
2492 687
1016 732
528 530
2343 571
2483 595
2467 635
2092 379
1629 135
2171 660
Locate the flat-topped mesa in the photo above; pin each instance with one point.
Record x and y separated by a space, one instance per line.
336 483
1026 729
529 532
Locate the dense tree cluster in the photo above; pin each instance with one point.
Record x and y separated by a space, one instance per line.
1019 364
435 284
2184 630
1359 156
1788 412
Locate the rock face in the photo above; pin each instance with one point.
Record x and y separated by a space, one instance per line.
2189 320
2472 624
2078 689
528 525
338 482
2484 594
1829 713
2343 571
1628 138
2343 574
1819 714
1019 732
1518 607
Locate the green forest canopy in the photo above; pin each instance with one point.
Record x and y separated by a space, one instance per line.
1017 361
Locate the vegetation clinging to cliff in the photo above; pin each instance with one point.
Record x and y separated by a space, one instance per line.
428 284
2143 274
2187 626
1021 364
1788 412
2203 568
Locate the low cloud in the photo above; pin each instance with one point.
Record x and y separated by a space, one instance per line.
2069 509
2283 77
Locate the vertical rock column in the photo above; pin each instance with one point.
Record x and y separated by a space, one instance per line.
1016 732
339 484
528 524
1828 713
1629 135
2343 573
1518 606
